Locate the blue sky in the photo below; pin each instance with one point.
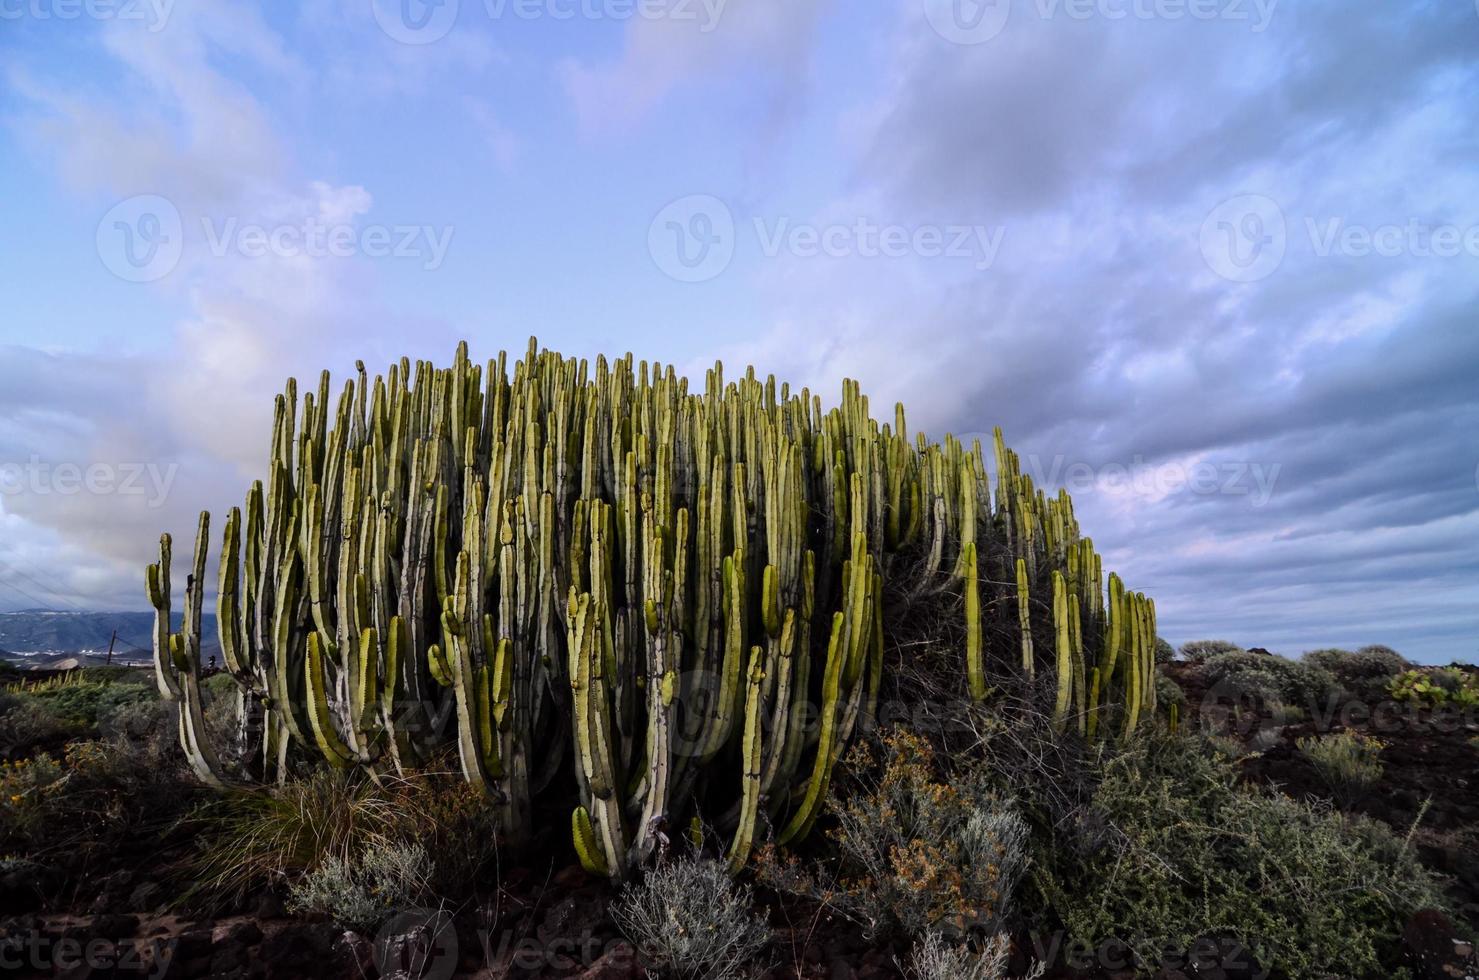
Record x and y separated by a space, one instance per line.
1212 263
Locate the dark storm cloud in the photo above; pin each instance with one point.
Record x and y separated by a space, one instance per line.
1104 336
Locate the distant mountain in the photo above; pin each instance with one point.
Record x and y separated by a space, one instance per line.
53 632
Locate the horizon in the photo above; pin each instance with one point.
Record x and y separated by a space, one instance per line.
1215 275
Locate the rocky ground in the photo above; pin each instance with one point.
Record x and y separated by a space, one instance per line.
549 919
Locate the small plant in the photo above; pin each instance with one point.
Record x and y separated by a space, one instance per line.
1433 688
1198 650
1417 687
24 788
933 958
388 877
1348 762
692 920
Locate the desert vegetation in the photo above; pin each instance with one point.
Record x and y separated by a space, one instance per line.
710 684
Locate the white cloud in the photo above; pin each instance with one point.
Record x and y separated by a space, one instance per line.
661 54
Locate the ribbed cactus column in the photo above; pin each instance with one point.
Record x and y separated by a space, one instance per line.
686 598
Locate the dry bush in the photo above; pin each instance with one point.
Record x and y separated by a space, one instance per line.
692 920
386 878
934 958
917 852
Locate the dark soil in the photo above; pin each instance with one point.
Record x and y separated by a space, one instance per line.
122 920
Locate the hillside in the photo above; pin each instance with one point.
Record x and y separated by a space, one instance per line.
49 632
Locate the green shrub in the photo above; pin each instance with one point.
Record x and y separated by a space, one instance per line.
27 723
1431 688
220 684
80 703
112 674
1271 677
692 920
1164 652
1364 672
1168 692
1193 854
151 721
1378 653
1198 650
1255 684
386 878
1349 763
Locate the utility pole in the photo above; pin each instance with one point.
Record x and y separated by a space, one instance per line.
112 641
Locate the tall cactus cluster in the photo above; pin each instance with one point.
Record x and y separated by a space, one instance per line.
593 582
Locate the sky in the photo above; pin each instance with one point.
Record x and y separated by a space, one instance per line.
1211 264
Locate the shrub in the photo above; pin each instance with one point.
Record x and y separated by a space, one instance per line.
918 853
81 702
934 958
388 877
1348 763
116 673
1377 653
692 920
106 796
1164 652
1168 692
249 839
220 684
25 786
1364 672
1198 650
151 722
27 723
1443 685
1264 675
1311 892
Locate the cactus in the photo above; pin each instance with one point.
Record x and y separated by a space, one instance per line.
555 560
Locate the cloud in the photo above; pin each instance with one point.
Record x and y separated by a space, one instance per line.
692 45
1104 336
197 406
